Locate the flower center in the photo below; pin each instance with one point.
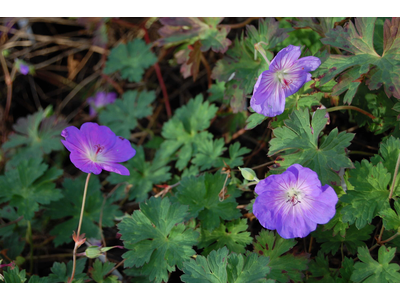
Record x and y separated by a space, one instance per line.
293 197
280 75
98 149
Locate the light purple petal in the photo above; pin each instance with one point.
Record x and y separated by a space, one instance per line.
73 140
285 58
294 225
306 64
83 163
269 97
323 208
120 152
294 82
116 168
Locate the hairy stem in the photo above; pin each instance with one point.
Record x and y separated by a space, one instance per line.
335 108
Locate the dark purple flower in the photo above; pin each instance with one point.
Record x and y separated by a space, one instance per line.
294 202
286 75
95 148
99 100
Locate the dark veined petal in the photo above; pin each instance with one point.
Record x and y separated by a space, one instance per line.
285 58
116 168
121 151
293 224
305 64
268 97
98 136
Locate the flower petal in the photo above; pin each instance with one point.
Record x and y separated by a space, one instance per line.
98 135
268 97
74 140
116 168
295 81
323 208
306 64
293 224
285 58
121 151
83 163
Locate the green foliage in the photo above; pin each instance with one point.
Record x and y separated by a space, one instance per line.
369 195
143 174
353 238
122 115
130 59
391 219
157 238
70 207
235 156
372 271
10 235
100 270
358 40
216 92
218 267
283 267
319 271
61 272
14 275
298 141
233 235
319 25
254 120
208 154
202 195
191 30
28 185
185 130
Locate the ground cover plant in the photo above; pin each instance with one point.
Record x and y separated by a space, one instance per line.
224 150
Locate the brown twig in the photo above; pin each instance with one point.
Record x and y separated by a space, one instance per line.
12 222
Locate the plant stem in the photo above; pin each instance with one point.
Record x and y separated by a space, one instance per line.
29 238
79 228
335 108
394 177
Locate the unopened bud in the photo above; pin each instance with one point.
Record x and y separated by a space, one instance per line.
249 174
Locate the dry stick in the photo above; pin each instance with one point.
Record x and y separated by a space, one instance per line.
81 65
12 222
116 86
239 25
335 108
116 267
208 69
80 86
79 227
9 92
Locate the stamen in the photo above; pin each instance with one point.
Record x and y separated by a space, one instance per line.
98 148
286 83
292 199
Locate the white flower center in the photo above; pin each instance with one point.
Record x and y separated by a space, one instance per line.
280 75
293 196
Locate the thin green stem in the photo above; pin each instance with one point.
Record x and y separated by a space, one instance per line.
79 228
394 177
30 241
335 108
257 47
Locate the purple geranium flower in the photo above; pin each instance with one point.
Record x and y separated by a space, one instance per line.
294 202
99 100
286 75
22 67
95 148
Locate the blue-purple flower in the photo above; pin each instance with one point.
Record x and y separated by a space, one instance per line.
95 148
286 75
101 99
294 202
22 66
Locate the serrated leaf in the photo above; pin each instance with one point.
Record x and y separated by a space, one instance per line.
358 39
100 270
391 218
202 195
121 116
71 205
14 275
319 270
28 185
354 238
157 239
235 155
320 25
184 131
218 267
298 141
208 154
130 59
190 30
254 120
143 175
372 271
61 272
233 235
283 267
216 92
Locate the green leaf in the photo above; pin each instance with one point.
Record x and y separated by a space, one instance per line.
100 270
298 143
254 120
235 155
143 174
39 133
233 235
71 205
221 268
28 185
208 154
62 272
319 270
157 238
283 267
131 60
319 25
202 195
358 40
354 238
391 219
216 92
370 194
14 275
122 115
372 271
185 130
191 30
